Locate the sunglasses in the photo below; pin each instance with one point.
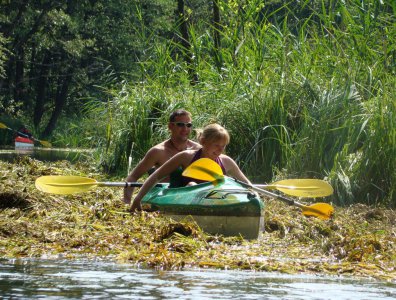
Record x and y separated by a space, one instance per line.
182 124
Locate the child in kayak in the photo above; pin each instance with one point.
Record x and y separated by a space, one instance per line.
214 139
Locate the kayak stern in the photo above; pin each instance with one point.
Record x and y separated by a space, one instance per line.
22 142
229 209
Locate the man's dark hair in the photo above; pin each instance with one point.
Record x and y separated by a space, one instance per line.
179 112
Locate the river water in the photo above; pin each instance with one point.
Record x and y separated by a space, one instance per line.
45 154
82 279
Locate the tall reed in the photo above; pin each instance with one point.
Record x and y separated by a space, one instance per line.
302 97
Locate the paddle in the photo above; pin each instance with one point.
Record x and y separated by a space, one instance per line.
65 185
208 170
76 184
311 188
308 188
44 143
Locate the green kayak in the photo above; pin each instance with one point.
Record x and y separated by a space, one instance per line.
228 209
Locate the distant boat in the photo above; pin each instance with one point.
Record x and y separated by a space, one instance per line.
23 143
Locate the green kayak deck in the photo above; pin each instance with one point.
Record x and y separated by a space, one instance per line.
228 209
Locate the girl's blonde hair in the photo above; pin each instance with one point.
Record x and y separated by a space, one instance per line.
213 132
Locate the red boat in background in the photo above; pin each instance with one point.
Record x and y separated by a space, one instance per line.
24 138
23 143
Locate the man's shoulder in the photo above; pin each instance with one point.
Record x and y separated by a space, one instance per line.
159 147
164 149
156 151
193 145
157 155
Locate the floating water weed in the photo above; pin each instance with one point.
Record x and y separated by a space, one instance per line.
359 239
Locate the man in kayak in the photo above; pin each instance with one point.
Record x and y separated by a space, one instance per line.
214 138
180 126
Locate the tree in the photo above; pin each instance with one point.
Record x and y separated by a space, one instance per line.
182 21
59 52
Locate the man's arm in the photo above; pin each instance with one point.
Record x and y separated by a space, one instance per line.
180 159
149 160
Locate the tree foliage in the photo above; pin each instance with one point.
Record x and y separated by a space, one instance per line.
56 53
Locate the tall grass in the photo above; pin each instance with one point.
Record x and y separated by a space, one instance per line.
309 97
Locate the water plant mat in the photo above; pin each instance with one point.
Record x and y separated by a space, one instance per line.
358 241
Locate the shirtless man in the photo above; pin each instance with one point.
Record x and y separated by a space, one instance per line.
180 127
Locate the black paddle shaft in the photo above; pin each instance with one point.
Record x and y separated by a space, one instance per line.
129 184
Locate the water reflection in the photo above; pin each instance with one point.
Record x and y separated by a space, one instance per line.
39 279
45 154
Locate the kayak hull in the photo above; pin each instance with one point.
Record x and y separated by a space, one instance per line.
22 142
228 209
248 227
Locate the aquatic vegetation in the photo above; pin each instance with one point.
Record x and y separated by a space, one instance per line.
359 240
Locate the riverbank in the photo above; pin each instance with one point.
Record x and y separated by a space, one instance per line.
358 240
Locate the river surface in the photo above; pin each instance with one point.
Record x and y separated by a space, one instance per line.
82 279
45 154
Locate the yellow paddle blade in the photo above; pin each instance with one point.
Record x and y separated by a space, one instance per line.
204 169
45 144
323 211
3 126
64 185
311 188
